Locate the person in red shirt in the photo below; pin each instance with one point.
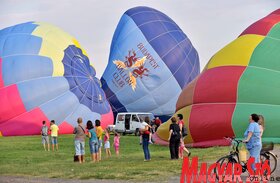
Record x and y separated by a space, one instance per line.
183 131
180 121
157 123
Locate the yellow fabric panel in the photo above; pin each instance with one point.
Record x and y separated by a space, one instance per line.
1 134
237 53
163 130
54 42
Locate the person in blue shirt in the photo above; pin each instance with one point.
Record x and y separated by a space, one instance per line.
253 138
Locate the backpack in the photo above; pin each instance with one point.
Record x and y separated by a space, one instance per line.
184 131
45 131
176 134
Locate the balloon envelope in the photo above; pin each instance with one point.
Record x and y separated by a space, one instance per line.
46 75
241 79
151 60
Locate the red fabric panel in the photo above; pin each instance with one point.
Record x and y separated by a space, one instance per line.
219 142
28 123
107 119
65 128
263 26
11 103
1 77
218 85
186 96
210 122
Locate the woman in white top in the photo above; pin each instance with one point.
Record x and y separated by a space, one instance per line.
261 123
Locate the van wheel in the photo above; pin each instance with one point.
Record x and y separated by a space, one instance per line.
123 133
137 132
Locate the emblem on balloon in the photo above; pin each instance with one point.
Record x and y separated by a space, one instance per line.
135 67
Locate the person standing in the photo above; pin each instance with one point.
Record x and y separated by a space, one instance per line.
99 132
157 123
146 139
45 136
174 138
54 134
253 138
117 143
261 123
93 142
80 140
107 143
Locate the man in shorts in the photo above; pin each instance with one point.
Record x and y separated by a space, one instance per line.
54 133
45 136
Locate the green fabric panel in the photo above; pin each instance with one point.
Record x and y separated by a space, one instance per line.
271 113
267 54
260 86
275 31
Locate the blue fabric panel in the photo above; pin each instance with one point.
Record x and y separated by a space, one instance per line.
114 101
82 81
24 28
20 44
25 67
39 91
87 115
61 107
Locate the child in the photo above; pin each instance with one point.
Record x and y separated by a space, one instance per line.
144 130
107 143
54 133
45 137
182 148
117 143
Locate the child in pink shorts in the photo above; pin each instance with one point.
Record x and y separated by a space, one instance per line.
117 143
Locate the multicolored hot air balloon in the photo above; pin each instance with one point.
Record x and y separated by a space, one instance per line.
46 75
241 79
151 60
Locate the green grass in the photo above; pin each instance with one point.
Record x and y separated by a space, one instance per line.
24 156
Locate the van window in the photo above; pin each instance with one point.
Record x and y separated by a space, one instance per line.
135 118
143 116
121 117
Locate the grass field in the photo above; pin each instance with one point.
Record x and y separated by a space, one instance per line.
24 156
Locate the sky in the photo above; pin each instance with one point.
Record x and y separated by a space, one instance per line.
209 24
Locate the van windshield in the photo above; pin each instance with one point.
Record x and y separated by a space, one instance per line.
143 116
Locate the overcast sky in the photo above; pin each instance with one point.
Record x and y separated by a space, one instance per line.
209 24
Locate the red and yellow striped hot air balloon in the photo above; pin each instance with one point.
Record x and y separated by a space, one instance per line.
242 78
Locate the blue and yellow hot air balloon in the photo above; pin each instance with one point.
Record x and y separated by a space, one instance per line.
46 75
151 60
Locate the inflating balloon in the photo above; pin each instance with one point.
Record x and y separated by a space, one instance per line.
241 79
46 75
151 60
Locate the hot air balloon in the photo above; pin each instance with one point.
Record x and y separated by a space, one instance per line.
241 79
46 75
151 60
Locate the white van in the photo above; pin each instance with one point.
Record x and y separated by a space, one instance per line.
131 122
